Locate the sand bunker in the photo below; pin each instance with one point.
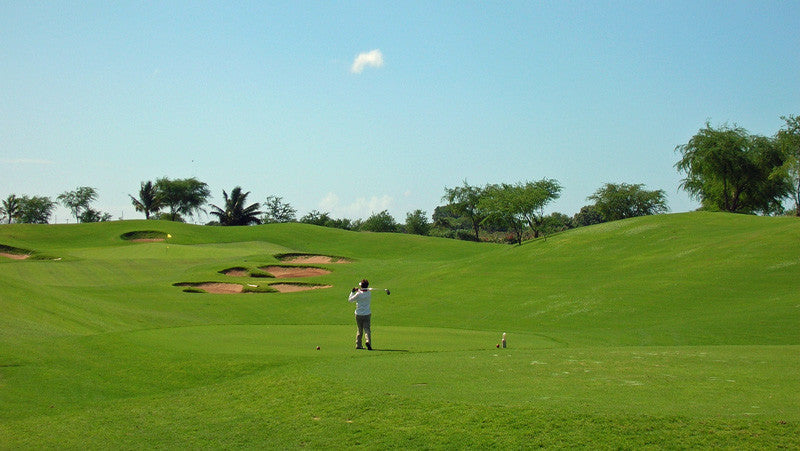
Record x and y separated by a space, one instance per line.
215 287
14 256
290 272
291 287
311 259
236 272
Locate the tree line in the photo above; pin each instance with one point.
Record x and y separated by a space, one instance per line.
726 169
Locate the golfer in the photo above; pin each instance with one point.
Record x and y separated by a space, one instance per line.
362 297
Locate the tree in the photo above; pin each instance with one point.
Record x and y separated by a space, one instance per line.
92 215
417 223
35 210
149 201
182 196
278 211
556 222
730 170
619 201
78 200
380 222
235 213
316 218
588 215
788 139
520 204
465 200
500 204
10 207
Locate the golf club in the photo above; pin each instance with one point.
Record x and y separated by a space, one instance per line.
372 289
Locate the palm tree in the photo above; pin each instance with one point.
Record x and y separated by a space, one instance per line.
149 201
235 213
10 207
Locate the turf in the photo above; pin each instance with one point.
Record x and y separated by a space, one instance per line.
676 331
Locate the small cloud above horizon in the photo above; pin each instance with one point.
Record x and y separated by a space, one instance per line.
372 58
361 208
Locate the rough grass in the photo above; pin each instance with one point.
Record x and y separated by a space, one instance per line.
676 331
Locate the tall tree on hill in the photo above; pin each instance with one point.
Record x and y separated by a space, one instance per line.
788 139
35 209
730 170
183 196
78 200
520 204
278 211
619 201
149 201
465 201
10 207
235 213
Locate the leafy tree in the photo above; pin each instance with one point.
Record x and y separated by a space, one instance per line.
500 203
316 218
92 215
380 222
520 204
35 210
465 201
235 213
417 223
182 196
730 170
619 201
78 200
10 207
278 211
588 215
149 201
556 222
788 139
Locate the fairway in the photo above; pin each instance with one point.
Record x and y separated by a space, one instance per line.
675 331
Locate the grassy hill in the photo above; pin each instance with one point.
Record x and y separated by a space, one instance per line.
674 330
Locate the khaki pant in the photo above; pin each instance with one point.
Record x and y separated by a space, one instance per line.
363 323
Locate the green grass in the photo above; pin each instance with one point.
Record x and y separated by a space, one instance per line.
676 331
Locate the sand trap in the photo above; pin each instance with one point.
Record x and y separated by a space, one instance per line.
215 287
14 256
313 259
290 272
236 272
291 288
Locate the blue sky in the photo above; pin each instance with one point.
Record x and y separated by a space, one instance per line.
264 95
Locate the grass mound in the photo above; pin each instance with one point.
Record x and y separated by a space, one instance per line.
672 331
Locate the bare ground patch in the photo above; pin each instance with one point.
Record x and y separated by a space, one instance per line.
291 272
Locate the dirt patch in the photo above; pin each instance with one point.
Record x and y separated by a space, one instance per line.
14 256
290 272
311 259
291 287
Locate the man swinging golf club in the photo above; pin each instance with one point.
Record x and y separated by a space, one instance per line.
362 297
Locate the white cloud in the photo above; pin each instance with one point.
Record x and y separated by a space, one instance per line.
361 208
373 58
